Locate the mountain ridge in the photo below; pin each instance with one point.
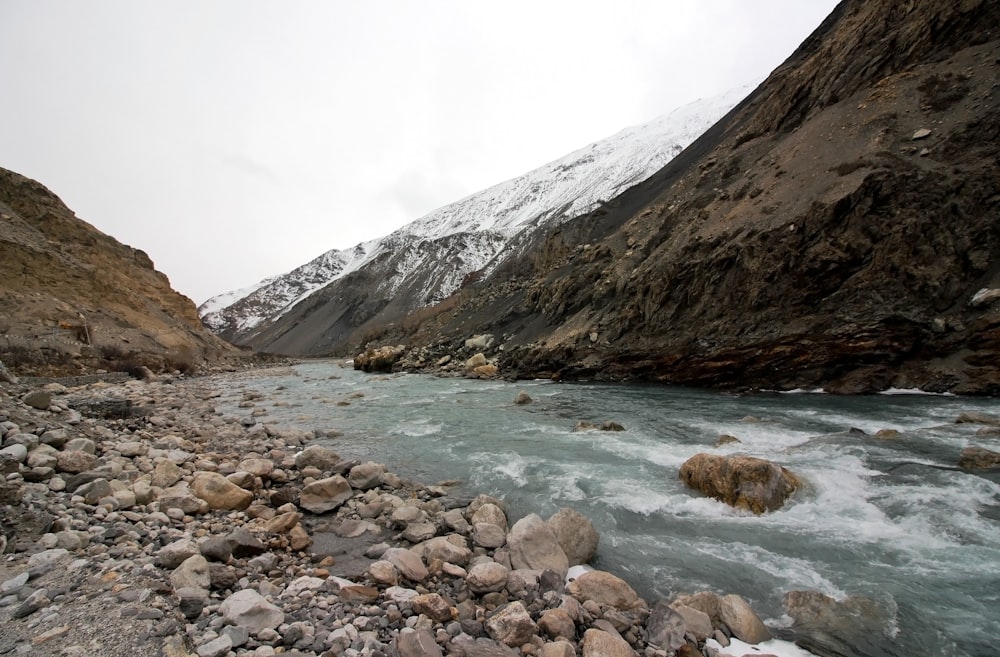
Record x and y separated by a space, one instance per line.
468 235
830 232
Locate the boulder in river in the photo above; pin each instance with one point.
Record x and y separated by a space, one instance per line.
978 458
744 482
825 625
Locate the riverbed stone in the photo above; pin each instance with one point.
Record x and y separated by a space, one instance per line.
576 535
191 573
408 563
366 475
219 492
166 474
557 623
16 452
419 531
487 577
598 643
384 573
605 589
216 548
248 608
74 461
511 625
417 643
317 456
175 553
258 467
283 523
451 549
557 649
39 399
534 546
667 627
244 544
325 495
433 606
739 617
491 514
697 622
80 444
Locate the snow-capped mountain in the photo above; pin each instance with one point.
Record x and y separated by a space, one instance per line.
425 261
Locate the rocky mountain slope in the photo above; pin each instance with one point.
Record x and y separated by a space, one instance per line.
838 228
314 308
73 298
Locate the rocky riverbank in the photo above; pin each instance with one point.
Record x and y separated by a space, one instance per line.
138 520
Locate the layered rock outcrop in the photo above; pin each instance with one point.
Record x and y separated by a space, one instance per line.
73 299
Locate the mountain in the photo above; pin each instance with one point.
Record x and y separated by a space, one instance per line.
315 308
73 299
838 228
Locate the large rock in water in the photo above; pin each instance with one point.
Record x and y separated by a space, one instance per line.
744 482
826 626
978 458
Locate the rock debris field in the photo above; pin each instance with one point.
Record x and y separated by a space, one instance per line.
137 520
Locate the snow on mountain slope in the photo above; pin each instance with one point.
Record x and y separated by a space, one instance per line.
485 221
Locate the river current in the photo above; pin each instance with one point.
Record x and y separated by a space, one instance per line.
890 520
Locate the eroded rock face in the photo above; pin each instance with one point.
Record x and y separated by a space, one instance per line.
743 482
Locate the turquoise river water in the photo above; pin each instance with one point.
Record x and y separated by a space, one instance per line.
893 521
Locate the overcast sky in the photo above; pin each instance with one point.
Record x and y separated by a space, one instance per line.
236 139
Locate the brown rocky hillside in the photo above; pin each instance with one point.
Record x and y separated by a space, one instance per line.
839 228
73 299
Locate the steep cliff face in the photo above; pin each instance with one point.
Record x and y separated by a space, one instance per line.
71 295
833 230
316 308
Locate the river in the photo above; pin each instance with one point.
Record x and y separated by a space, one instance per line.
889 519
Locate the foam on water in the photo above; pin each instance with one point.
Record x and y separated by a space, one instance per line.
419 428
795 573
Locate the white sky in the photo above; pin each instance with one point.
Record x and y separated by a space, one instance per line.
236 139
